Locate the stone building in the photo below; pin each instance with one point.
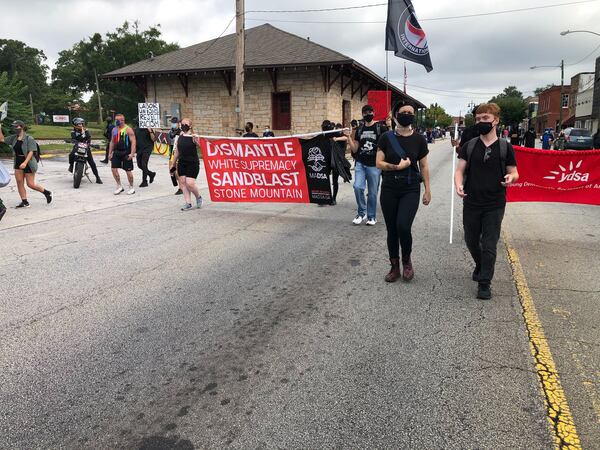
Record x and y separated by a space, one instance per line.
291 84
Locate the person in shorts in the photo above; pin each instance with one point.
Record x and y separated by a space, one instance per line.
122 153
187 160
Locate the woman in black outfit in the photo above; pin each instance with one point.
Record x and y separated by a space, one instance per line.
187 160
403 167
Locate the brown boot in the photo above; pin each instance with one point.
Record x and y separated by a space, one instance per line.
408 272
394 273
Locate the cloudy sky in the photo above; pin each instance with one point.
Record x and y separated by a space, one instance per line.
473 57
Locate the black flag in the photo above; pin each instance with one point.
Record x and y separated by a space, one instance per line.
403 34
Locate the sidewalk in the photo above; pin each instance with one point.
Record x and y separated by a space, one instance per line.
67 201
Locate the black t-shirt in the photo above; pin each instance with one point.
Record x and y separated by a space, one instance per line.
483 186
143 141
367 143
414 145
187 148
468 134
254 135
78 136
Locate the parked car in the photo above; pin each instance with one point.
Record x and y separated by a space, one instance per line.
577 139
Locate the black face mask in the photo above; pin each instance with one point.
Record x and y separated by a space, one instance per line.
405 119
484 127
368 117
185 128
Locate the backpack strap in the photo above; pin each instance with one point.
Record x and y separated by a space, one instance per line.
391 137
503 153
470 147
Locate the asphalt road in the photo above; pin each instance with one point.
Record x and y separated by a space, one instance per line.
126 323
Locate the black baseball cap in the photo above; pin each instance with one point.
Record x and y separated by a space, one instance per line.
174 119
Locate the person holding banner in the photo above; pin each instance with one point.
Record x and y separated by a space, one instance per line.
186 159
487 165
402 158
363 146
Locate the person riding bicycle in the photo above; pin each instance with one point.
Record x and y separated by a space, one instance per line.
81 135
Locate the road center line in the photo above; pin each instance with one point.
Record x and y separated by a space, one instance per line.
559 414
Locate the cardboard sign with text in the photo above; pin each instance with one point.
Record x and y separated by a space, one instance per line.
149 115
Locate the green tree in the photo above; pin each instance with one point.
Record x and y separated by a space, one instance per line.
76 67
12 91
25 64
513 108
469 120
436 115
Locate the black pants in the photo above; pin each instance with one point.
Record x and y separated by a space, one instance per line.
142 163
90 160
482 232
334 181
399 204
107 150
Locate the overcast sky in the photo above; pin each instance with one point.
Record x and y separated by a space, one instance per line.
477 54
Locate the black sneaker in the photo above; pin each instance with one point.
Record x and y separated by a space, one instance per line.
151 176
2 211
179 192
23 204
144 184
48 196
104 161
475 275
98 180
484 291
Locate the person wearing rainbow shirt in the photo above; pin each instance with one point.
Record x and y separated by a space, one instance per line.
122 153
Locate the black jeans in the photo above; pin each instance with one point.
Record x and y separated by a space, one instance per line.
482 232
334 181
142 163
90 160
399 205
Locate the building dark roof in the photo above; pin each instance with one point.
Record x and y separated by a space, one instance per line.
266 47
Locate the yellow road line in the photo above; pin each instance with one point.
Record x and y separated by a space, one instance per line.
559 415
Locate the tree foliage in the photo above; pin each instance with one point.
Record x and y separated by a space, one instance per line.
513 108
25 64
436 115
12 90
74 72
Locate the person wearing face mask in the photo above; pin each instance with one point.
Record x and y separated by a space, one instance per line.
487 165
144 138
173 134
187 160
249 130
268 132
81 134
24 147
402 158
122 152
363 145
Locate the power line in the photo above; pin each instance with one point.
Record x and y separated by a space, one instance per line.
506 11
217 38
585 57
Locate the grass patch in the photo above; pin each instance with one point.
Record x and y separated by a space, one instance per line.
60 132
56 148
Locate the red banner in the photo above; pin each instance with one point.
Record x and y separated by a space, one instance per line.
255 170
381 103
556 176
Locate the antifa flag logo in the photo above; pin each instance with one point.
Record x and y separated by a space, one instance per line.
404 35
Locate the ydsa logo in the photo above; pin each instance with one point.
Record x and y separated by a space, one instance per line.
315 156
571 173
411 34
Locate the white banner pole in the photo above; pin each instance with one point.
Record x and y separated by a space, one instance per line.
452 184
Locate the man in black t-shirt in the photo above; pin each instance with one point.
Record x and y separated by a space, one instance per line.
145 144
250 130
363 145
486 166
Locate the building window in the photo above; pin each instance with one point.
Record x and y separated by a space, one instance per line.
282 111
565 100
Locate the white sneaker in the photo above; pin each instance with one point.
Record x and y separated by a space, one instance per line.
131 190
371 221
358 219
119 190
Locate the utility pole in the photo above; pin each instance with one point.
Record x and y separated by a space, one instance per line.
32 113
562 82
98 95
239 62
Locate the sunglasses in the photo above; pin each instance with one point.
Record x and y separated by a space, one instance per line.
487 154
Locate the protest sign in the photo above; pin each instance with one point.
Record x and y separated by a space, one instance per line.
149 115
255 170
381 103
3 111
316 154
556 176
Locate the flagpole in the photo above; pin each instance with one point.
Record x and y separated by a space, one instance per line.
387 81
452 184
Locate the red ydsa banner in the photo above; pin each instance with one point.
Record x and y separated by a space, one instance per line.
381 102
556 176
255 170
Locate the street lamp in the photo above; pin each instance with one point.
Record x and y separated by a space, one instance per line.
564 33
562 82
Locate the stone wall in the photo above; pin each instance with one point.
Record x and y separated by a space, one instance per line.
212 109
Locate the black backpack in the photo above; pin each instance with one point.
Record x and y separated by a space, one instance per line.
471 146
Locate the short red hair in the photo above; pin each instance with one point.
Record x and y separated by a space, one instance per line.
489 108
